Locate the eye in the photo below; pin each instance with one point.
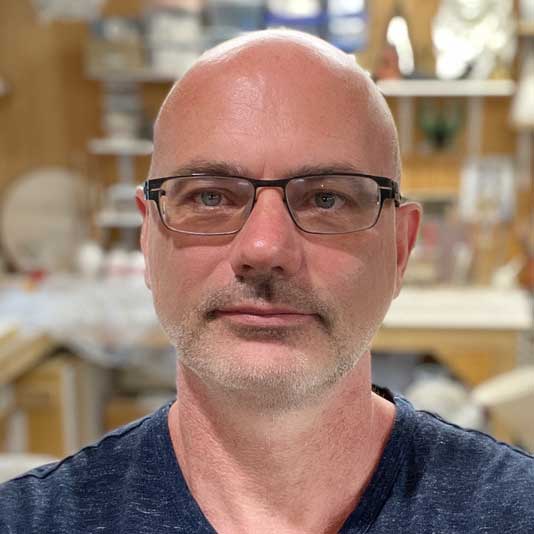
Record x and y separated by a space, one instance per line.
210 198
326 199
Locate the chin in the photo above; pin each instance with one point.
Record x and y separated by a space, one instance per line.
267 377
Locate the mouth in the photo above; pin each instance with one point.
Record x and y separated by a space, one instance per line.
264 316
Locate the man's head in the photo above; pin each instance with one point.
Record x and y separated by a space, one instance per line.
274 314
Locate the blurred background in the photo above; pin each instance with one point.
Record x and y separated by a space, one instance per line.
80 84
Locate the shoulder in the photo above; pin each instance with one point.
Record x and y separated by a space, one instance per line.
462 469
441 443
97 473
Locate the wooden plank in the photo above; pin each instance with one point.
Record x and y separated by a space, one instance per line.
20 354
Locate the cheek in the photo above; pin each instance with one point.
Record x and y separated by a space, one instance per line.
180 272
358 278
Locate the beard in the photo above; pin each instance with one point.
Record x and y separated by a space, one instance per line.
268 369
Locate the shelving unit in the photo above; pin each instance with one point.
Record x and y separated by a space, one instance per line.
447 88
125 150
474 90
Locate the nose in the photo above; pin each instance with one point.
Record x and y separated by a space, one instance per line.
269 242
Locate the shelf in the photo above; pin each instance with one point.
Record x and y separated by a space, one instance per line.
460 308
113 219
429 88
145 74
117 146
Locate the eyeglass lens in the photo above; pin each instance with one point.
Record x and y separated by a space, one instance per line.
319 204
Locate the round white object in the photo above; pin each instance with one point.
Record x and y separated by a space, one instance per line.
44 218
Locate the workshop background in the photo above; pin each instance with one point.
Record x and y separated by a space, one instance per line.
81 81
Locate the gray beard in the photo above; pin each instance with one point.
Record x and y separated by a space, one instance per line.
200 348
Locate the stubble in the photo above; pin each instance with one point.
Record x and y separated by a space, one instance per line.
318 355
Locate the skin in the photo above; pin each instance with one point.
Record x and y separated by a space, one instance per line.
258 406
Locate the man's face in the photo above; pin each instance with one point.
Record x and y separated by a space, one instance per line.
224 300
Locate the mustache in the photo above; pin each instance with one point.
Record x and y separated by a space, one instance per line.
268 289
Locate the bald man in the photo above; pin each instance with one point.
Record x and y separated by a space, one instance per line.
275 239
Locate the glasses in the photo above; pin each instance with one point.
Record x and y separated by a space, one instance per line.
202 204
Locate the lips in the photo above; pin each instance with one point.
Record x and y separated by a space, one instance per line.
264 316
255 310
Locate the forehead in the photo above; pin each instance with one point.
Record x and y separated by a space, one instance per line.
269 118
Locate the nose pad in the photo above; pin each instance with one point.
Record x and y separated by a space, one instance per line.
261 205
268 241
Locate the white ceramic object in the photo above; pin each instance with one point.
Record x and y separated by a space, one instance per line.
44 217
510 397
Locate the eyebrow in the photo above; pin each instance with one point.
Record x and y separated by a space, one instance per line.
226 168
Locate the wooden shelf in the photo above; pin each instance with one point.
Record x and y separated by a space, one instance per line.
117 146
461 88
461 308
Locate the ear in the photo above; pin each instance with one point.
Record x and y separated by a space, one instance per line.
408 220
144 208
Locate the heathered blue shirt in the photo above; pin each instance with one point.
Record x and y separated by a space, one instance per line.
434 478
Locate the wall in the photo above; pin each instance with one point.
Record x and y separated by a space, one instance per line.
50 111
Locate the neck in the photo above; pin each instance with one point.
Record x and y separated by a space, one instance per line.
298 471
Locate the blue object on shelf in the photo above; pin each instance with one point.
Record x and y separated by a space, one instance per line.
310 18
347 24
341 22
241 15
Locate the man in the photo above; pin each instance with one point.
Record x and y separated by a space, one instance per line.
275 240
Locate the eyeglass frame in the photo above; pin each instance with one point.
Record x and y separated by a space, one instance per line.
389 190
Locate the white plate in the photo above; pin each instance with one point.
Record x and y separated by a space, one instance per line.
44 218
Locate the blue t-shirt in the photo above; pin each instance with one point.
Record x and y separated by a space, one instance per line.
433 478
